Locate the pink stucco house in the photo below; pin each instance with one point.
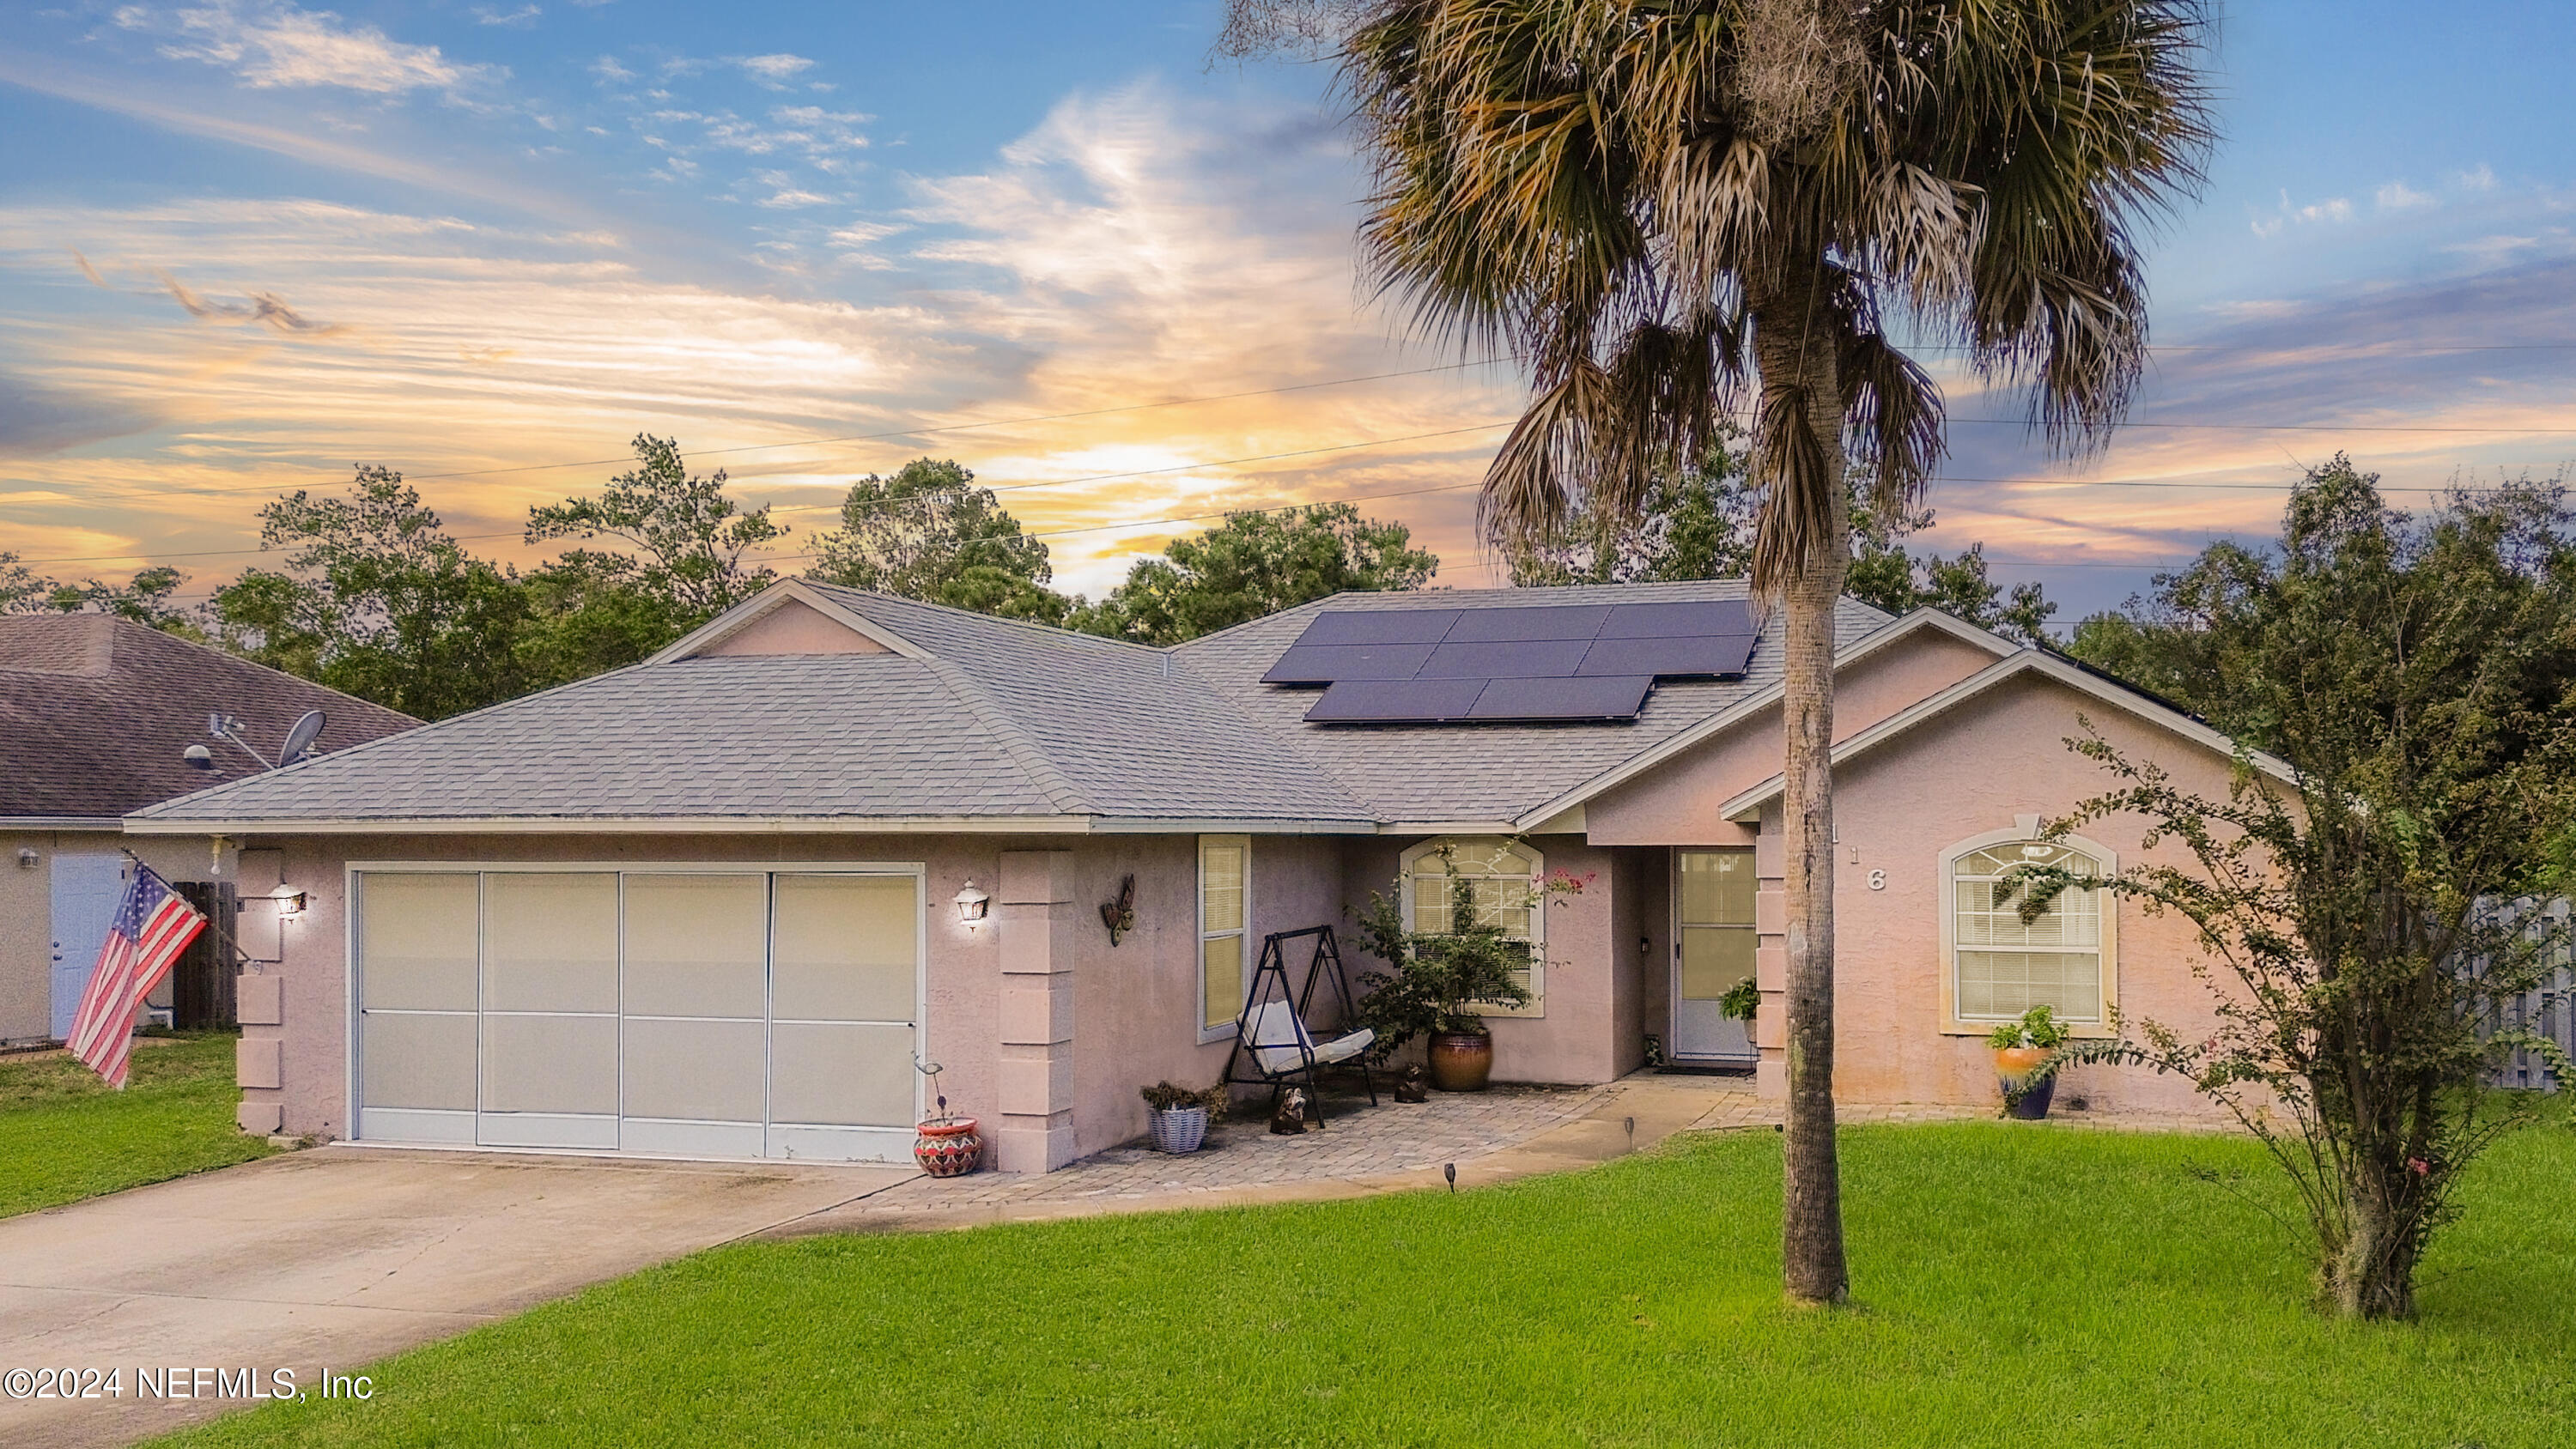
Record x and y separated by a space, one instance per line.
720 904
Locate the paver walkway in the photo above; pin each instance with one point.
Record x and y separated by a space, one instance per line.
1487 1136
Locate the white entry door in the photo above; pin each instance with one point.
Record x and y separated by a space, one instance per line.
679 1013
1713 937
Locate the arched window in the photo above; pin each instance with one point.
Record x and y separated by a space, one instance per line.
1504 877
2001 965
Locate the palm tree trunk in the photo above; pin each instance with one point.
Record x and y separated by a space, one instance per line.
1795 349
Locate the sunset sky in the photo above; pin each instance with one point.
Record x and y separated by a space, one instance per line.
245 244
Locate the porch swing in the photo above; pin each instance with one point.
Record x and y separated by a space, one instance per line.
1271 1037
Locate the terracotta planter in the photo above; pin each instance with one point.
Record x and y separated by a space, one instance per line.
949 1148
1462 1061
2013 1066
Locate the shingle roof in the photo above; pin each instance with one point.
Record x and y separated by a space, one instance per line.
95 711
1133 733
996 720
754 736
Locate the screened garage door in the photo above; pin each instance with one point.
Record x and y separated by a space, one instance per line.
687 1013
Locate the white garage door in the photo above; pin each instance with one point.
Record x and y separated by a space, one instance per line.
737 1014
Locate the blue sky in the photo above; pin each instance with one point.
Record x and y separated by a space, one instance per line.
245 243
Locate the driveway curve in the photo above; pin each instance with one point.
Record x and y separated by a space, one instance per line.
332 1258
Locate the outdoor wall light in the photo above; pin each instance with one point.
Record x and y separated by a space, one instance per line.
289 900
972 903
26 858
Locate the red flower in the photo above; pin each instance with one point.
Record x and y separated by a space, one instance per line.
2418 1166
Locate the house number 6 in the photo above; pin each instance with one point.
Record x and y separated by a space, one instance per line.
1878 880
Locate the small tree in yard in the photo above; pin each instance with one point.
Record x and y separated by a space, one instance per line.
2361 928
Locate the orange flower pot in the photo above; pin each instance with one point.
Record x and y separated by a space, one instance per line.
2018 1062
2013 1066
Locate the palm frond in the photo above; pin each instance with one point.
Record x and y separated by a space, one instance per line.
1588 182
1800 484
1712 204
1552 455
1893 419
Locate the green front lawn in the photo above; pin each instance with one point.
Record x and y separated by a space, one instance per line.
2019 1286
64 1136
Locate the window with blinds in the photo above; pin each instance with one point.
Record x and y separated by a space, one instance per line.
2007 965
1225 896
1503 877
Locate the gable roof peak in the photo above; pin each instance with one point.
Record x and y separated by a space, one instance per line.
784 594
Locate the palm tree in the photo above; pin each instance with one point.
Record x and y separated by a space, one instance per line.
1671 209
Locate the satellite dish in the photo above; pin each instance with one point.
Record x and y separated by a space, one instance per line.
299 740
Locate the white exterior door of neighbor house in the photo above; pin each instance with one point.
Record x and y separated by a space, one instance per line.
1713 937
85 890
670 1012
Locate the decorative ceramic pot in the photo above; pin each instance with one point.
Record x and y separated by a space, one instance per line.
1462 1061
1181 1129
2013 1066
948 1148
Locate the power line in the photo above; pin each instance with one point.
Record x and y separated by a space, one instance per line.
2562 430
2175 483
2363 349
854 437
998 422
1309 452
2447 429
1367 443
1004 488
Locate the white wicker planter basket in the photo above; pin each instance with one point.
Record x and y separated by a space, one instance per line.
1181 1129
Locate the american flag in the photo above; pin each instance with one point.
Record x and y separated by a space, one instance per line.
153 925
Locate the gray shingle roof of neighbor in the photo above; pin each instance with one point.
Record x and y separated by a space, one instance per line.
1002 720
95 712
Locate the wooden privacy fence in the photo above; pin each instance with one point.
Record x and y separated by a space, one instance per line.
2545 1010
201 980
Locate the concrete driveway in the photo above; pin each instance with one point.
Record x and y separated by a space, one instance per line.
331 1258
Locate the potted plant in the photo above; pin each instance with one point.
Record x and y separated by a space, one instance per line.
1180 1115
2022 1052
1740 1002
1434 982
943 1143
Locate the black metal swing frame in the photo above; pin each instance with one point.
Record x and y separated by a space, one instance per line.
1274 966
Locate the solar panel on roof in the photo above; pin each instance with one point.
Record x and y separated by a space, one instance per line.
1517 662
1722 655
1411 701
1379 626
1528 622
1673 621
1527 659
1597 697
1324 663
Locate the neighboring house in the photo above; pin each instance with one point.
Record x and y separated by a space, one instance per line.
96 715
718 904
